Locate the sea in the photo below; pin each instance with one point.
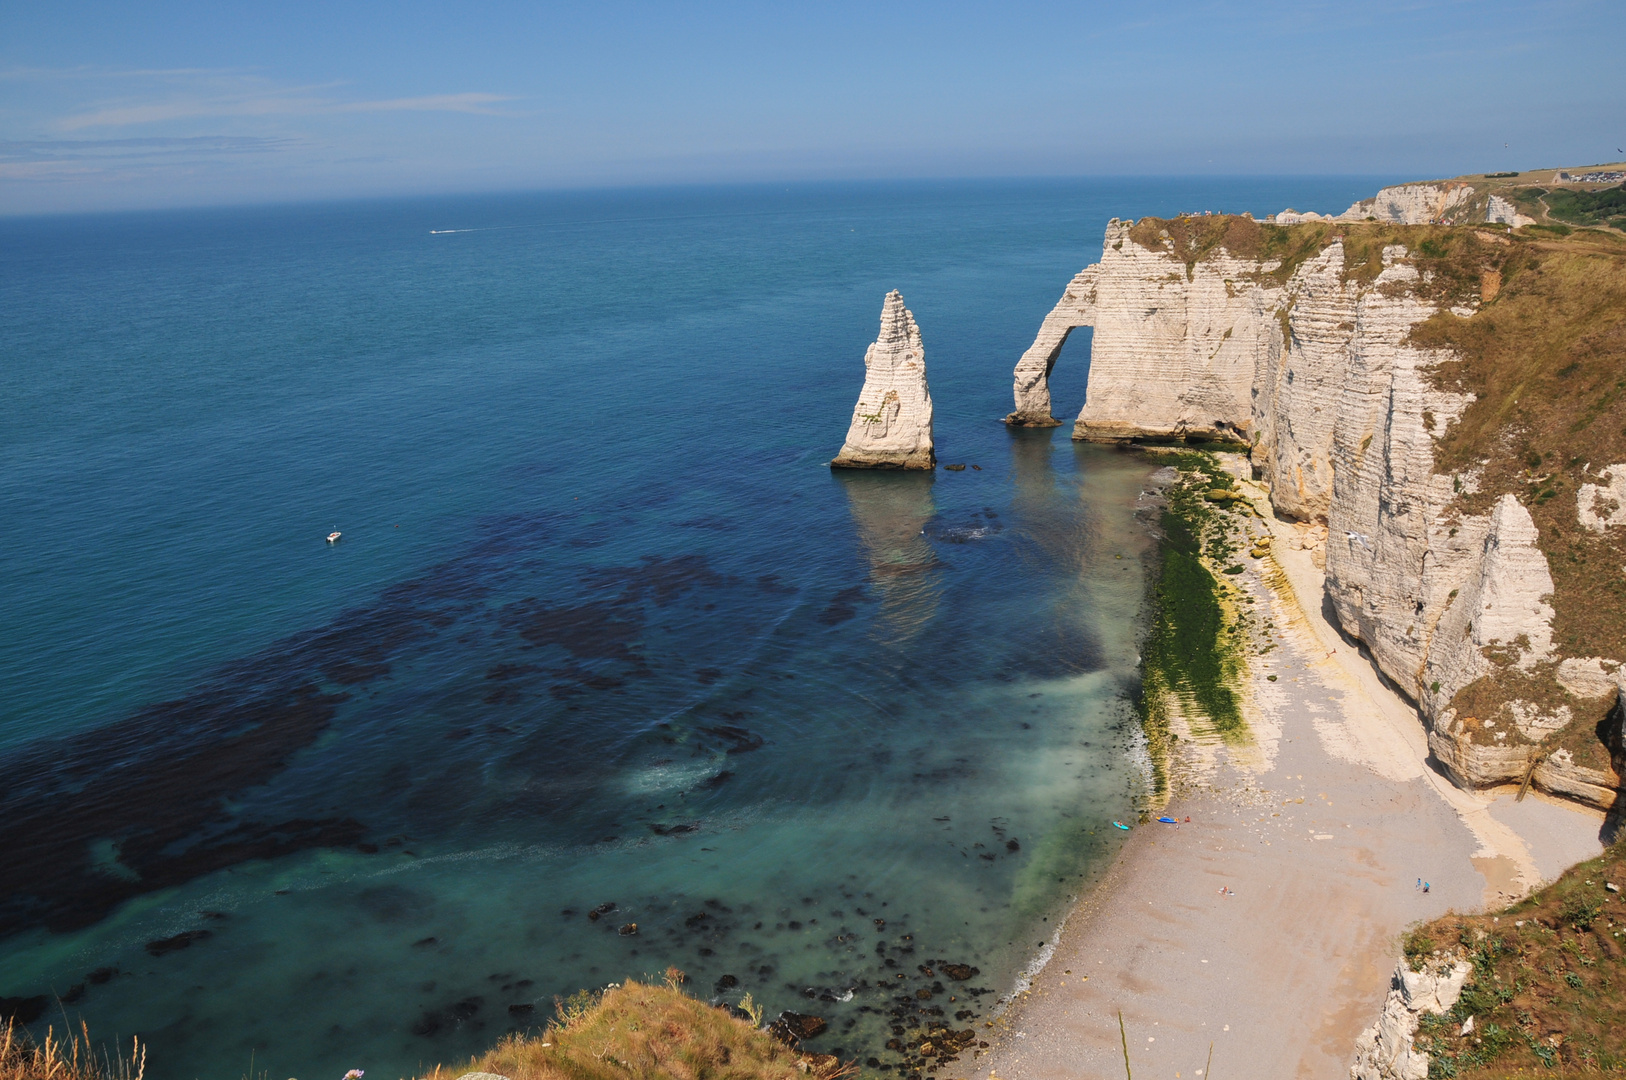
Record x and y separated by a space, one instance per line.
608 672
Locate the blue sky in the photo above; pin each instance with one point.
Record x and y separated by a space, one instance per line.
182 103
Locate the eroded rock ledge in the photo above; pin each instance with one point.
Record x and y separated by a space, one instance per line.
1326 352
892 421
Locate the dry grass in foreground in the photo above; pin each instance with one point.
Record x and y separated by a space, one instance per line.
54 1059
638 1031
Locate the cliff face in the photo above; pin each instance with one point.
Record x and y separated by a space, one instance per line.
1174 350
1316 348
892 421
1442 202
1414 204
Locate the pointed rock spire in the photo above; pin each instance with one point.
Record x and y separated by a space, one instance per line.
892 422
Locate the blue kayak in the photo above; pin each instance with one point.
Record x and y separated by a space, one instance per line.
1169 820
1121 825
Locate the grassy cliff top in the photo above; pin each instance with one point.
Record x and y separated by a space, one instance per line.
649 1032
1495 181
1544 358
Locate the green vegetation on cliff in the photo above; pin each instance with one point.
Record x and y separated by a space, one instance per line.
1576 206
1545 361
1190 660
1548 987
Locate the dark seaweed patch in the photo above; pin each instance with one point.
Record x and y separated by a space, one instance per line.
24 1010
659 579
739 740
599 631
710 522
156 784
511 671
841 607
154 800
452 1017
165 946
393 903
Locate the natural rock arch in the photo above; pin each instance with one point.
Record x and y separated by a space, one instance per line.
1031 387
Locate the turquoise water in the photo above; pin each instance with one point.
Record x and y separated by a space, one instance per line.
602 629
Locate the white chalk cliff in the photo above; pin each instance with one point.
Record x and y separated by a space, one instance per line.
892 422
1316 376
1385 1050
1414 204
1444 202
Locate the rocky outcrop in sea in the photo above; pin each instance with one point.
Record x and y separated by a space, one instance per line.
892 421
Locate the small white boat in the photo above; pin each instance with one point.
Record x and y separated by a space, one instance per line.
333 537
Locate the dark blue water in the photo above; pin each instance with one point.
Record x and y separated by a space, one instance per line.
602 627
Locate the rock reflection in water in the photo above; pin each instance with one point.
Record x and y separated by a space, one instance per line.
1055 516
890 512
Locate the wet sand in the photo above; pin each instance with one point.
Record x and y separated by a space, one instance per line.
1266 929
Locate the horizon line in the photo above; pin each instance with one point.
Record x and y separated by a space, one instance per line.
700 185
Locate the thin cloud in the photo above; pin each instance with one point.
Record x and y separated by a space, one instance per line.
88 72
100 159
466 103
60 150
281 104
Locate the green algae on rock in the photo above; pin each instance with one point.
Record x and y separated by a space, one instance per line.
1190 666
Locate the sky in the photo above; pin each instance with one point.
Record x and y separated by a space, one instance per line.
162 104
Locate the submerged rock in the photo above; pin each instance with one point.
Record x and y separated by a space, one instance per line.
892 422
178 942
798 1025
24 1010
